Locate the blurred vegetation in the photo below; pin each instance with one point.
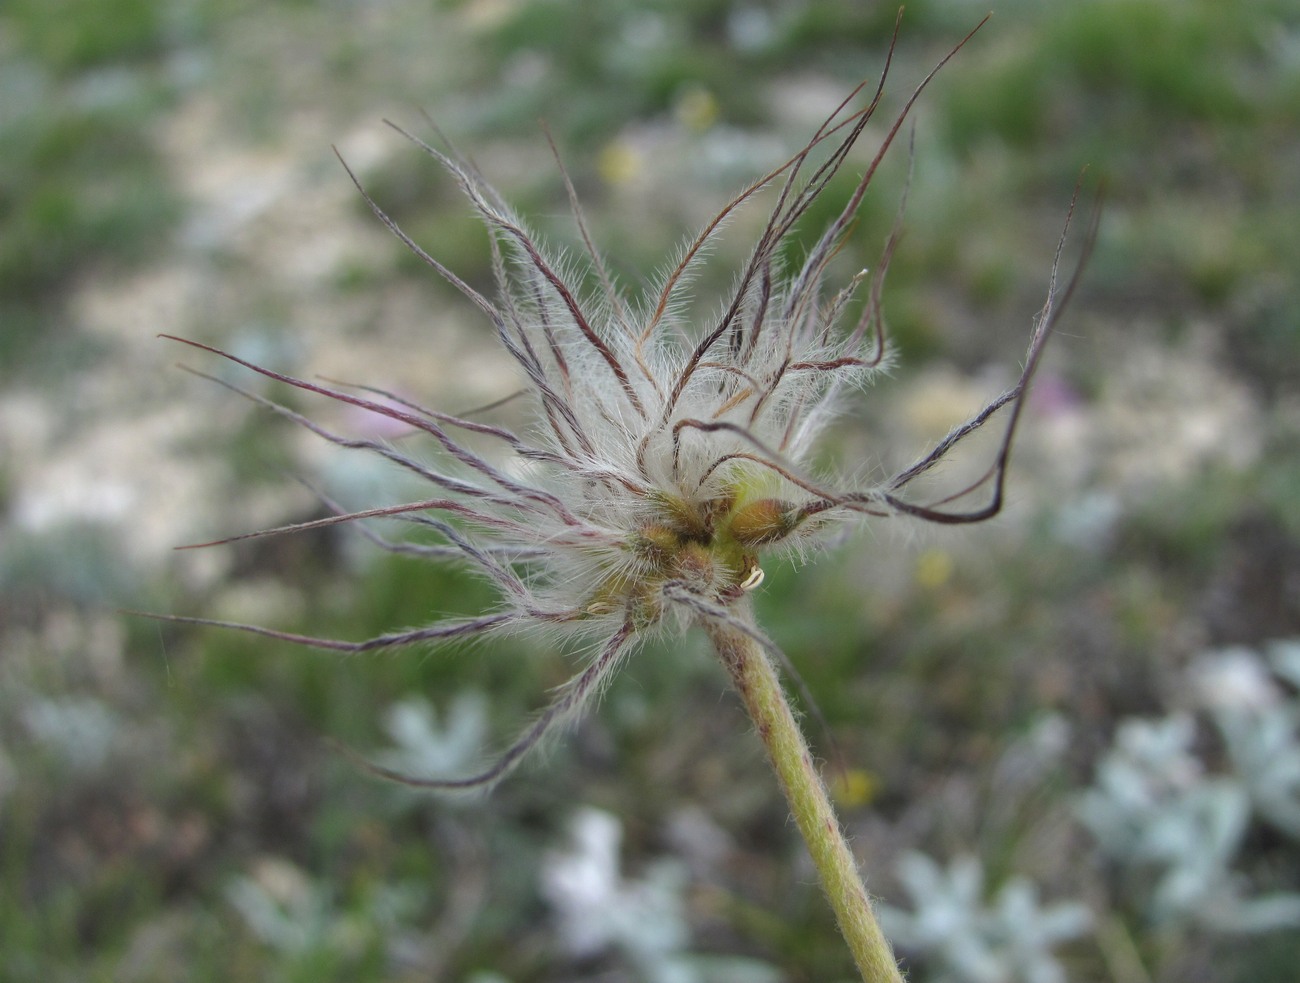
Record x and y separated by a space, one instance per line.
81 185
159 783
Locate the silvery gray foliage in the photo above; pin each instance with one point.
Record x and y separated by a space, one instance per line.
294 921
1260 725
1174 829
968 939
294 914
81 730
645 919
427 747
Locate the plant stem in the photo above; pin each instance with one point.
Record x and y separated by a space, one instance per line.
756 680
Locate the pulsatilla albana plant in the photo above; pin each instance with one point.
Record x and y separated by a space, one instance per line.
665 459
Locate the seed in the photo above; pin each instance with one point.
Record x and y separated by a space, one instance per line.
765 521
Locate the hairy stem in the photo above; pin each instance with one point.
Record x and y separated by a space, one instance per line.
756 680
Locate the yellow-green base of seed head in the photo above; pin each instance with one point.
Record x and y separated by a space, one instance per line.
707 546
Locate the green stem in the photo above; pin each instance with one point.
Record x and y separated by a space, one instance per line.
756 680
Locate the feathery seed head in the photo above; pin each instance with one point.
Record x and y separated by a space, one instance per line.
664 457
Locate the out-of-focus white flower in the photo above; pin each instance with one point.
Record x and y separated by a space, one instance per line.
1028 933
282 906
1260 725
80 729
424 748
645 919
1152 807
1149 765
1285 657
291 913
1174 830
969 940
1234 679
597 909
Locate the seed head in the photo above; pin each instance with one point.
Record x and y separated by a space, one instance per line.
666 456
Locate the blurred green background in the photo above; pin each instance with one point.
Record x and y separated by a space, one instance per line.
169 807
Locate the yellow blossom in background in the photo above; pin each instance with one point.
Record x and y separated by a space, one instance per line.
618 163
696 109
933 568
854 787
